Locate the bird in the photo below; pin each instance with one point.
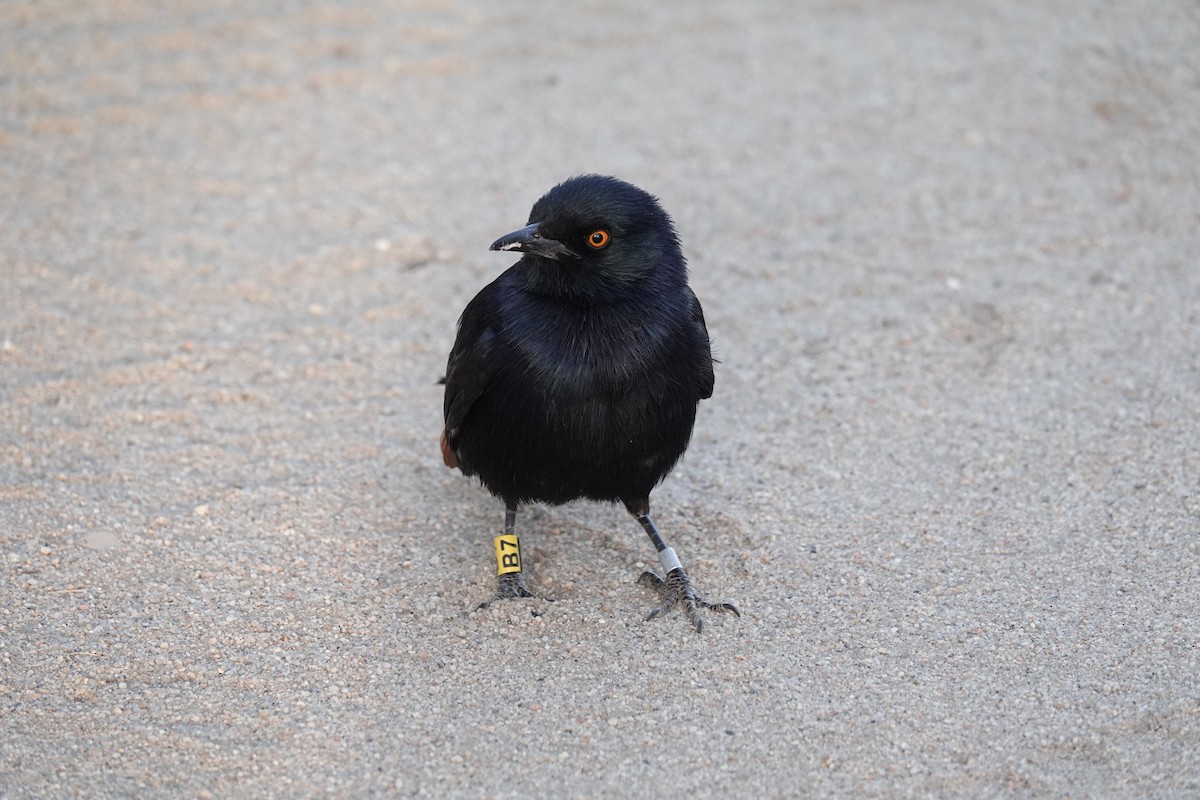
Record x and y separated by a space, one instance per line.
577 373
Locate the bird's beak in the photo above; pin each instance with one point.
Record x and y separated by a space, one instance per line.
528 240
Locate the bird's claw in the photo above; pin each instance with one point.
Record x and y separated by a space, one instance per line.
677 589
508 586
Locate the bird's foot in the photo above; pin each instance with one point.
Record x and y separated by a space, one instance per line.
677 590
510 585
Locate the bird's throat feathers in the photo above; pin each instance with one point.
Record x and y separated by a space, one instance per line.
585 284
593 347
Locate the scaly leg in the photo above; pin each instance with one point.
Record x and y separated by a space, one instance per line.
510 582
676 588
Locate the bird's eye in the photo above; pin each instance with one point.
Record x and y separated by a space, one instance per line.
597 239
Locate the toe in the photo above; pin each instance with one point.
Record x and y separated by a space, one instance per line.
652 581
676 589
666 606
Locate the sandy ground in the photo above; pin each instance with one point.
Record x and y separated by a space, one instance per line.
950 258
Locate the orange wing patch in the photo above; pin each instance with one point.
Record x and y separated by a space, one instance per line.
448 456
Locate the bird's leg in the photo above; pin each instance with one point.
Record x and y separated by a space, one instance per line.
508 562
676 588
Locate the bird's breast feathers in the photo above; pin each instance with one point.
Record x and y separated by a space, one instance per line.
595 352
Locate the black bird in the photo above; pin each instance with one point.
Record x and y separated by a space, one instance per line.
578 371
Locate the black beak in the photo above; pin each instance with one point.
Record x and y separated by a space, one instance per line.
528 240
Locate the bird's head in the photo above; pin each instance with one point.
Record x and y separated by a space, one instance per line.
595 237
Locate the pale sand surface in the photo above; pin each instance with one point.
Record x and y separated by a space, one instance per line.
950 257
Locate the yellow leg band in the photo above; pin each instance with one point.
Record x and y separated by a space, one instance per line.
508 554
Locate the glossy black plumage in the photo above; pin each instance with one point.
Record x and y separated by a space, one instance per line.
577 372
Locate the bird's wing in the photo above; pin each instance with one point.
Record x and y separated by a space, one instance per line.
468 371
706 378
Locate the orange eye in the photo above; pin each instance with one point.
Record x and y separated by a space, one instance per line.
597 239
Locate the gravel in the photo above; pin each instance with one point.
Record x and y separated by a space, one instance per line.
948 255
